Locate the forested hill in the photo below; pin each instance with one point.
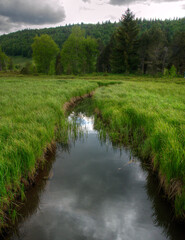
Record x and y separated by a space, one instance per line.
19 43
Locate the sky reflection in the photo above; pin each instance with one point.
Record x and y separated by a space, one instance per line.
95 193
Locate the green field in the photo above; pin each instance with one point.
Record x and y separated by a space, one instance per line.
148 113
30 110
150 116
21 61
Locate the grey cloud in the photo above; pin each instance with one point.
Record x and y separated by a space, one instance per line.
124 2
88 1
32 12
6 25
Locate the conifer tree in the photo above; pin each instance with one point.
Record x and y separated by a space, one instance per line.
124 56
178 51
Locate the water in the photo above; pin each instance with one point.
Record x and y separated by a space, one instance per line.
95 191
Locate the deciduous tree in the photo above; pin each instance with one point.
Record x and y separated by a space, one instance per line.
78 53
3 60
44 52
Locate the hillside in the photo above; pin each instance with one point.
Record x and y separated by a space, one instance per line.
19 43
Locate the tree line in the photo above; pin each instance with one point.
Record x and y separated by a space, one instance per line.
19 43
149 52
78 54
130 46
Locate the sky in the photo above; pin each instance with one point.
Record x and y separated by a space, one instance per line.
20 14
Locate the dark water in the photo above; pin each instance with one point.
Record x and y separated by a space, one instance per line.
95 191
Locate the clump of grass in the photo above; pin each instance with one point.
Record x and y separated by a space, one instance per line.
150 115
30 111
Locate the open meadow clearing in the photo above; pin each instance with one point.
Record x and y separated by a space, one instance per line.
30 111
146 113
151 116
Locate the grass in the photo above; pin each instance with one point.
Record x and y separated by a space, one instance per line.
150 115
30 111
147 112
19 60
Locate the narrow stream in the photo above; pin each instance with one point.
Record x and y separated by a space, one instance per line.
95 191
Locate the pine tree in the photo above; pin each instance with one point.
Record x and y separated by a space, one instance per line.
124 56
178 51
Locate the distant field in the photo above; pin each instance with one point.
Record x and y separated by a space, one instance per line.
19 60
150 115
147 112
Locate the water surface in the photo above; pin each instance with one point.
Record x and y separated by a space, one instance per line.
95 191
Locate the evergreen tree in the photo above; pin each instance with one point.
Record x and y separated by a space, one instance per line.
157 50
103 61
153 50
124 56
144 42
178 52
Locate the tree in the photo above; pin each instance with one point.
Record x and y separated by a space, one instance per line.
44 52
153 50
10 64
72 54
78 54
90 45
157 50
58 65
178 52
4 60
103 61
124 56
144 42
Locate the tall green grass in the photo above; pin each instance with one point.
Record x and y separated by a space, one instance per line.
148 112
150 115
30 111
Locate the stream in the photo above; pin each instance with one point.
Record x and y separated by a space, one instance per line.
94 190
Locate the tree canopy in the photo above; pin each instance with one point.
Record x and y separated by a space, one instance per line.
78 54
5 61
132 46
124 56
44 52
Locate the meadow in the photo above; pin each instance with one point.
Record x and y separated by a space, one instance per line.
30 111
148 113
21 61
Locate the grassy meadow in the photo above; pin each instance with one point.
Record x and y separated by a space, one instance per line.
21 61
30 111
150 115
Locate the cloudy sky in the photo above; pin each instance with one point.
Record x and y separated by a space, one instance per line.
20 14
